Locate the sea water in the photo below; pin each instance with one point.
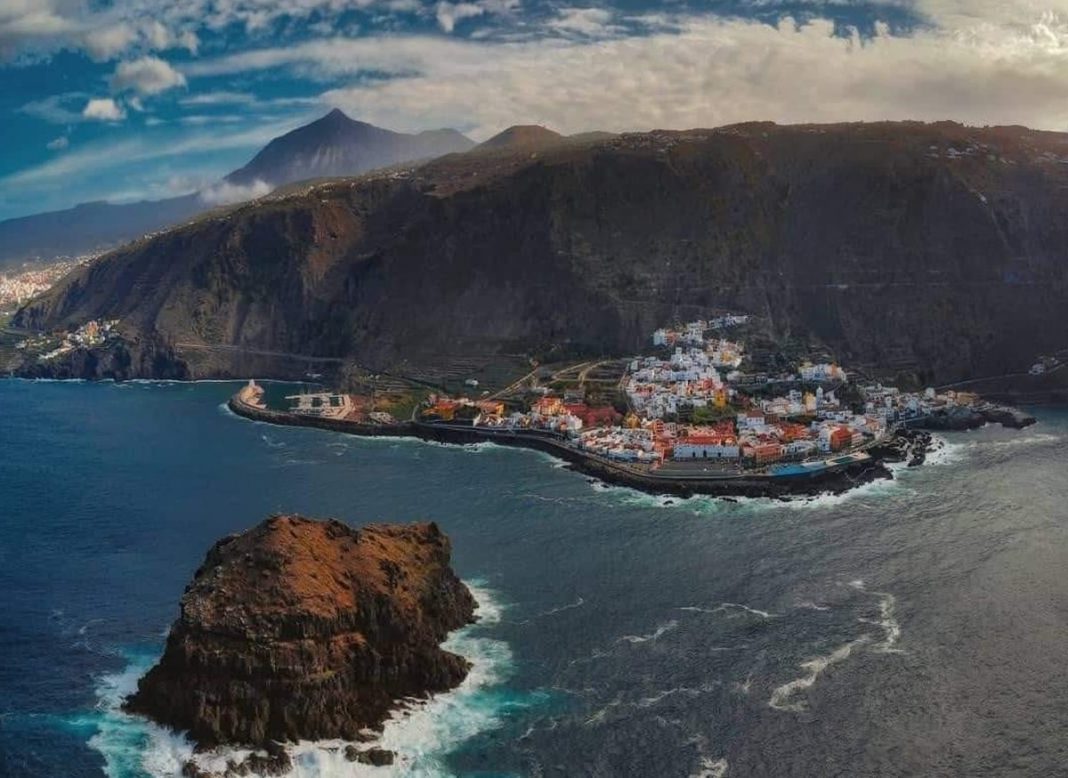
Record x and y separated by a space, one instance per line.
912 627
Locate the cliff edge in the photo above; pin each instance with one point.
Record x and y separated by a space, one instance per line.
307 630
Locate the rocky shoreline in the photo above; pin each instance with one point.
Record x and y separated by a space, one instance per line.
307 630
963 418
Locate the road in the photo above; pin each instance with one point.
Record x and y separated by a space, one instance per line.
260 353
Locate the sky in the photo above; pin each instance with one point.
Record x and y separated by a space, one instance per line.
124 100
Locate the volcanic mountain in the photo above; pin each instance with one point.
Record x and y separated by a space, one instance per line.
334 145
522 137
935 249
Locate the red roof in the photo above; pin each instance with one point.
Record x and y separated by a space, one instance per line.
701 440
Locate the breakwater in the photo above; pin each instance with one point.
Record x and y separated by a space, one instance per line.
831 480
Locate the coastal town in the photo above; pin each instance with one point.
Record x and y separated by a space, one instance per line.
92 334
694 408
20 285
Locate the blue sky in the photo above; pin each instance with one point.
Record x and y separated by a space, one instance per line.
144 99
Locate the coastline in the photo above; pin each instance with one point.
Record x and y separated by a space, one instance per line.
832 481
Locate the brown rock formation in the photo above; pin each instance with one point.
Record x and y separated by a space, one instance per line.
301 629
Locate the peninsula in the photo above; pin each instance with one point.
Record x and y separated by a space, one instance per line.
699 415
307 630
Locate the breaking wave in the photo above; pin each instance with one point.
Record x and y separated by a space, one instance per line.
787 696
422 736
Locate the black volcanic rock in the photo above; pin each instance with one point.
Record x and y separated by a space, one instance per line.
934 251
336 145
308 630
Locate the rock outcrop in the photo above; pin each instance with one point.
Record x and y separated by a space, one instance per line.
305 630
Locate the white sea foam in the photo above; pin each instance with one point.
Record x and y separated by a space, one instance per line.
947 452
698 504
730 606
809 605
656 634
887 620
649 701
711 768
784 697
421 736
578 603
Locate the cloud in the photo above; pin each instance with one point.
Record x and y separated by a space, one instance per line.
103 109
448 14
64 108
108 41
59 143
591 22
225 193
94 159
147 76
694 71
218 98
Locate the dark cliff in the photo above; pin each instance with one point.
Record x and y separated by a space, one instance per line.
300 629
937 249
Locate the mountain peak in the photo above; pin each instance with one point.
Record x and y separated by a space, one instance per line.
523 136
337 116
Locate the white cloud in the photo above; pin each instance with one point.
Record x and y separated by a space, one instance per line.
448 14
59 143
225 193
94 159
218 98
189 41
147 76
63 108
103 109
692 72
108 41
591 22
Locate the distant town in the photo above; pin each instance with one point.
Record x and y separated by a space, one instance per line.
20 286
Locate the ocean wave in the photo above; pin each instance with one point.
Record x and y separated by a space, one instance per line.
784 697
887 620
730 606
698 504
656 634
578 603
711 768
648 701
947 452
421 735
812 606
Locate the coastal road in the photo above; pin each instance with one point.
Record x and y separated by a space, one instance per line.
514 385
260 353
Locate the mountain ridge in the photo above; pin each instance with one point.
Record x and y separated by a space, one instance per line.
933 249
95 225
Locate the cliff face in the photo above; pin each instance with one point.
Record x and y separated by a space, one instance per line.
937 249
300 629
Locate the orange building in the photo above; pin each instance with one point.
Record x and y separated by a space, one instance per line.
841 437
